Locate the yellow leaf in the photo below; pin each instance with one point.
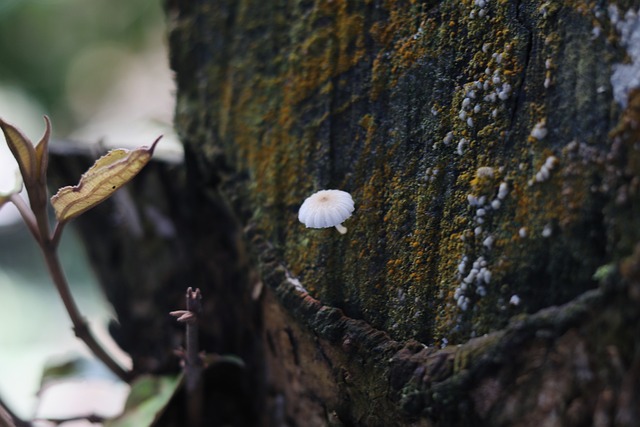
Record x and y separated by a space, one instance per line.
109 173
22 149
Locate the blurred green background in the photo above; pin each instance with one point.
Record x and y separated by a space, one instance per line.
99 70
67 55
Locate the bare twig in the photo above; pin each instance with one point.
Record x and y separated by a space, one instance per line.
80 326
192 359
38 224
57 234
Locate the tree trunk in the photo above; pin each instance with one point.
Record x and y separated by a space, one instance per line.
488 276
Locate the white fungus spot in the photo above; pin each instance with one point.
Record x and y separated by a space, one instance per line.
522 232
326 208
539 131
484 172
463 265
504 92
545 170
547 230
514 300
503 190
448 138
295 283
486 275
488 242
460 148
626 76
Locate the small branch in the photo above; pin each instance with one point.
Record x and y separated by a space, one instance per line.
192 359
39 226
80 325
194 362
57 233
26 214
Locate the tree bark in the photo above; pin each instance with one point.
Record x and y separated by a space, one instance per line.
488 276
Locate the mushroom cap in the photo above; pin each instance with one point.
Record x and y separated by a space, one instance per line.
326 208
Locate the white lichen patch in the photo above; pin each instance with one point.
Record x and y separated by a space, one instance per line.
544 172
448 138
503 190
293 281
539 131
626 77
461 145
484 172
522 232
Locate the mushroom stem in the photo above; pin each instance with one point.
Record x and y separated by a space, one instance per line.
341 228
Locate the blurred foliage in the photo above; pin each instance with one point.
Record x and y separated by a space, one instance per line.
51 47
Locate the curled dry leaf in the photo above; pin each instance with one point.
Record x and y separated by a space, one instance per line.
108 174
32 161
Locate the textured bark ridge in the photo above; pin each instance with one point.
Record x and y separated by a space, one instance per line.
491 150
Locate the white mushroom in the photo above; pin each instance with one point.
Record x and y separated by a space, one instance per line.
326 208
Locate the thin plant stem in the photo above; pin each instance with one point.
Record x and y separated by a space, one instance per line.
192 359
193 362
57 233
38 224
80 326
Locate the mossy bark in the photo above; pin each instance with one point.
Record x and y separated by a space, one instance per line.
476 139
494 175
